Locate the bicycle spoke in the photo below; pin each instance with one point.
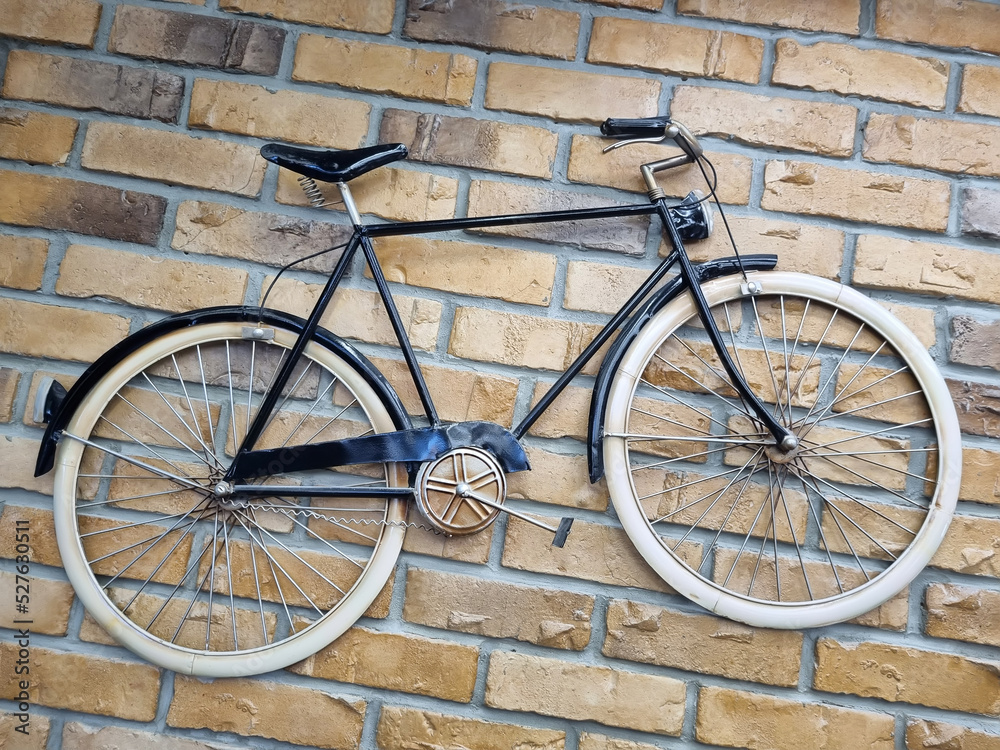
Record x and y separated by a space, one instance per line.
840 395
767 357
798 550
732 509
680 401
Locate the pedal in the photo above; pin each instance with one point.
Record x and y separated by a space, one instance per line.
48 399
562 532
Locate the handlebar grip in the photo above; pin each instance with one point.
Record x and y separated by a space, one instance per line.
644 127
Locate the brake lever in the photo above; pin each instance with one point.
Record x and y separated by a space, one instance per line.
630 141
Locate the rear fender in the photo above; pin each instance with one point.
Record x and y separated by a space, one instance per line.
62 406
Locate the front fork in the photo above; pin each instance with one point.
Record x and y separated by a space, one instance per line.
783 437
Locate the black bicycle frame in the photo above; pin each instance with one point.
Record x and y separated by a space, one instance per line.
249 462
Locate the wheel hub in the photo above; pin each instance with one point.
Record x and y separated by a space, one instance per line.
779 456
458 490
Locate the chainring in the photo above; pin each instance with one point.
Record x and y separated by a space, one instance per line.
450 490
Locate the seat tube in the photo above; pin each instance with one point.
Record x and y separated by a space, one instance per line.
284 374
400 331
782 435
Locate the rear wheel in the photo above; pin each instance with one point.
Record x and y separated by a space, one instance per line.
792 539
194 578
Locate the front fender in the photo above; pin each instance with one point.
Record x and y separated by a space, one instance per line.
712 269
64 409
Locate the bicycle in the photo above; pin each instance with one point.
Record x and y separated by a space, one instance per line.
233 484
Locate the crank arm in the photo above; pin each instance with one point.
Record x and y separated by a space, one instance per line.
560 532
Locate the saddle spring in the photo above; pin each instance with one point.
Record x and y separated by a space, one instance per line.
313 193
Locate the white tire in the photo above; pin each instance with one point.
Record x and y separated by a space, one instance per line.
137 522
778 539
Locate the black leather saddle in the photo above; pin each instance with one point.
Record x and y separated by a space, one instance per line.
331 165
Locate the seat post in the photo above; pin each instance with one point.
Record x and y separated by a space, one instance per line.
352 209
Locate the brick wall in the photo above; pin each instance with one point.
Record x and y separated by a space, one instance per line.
858 139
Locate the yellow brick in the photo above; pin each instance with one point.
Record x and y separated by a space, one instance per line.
980 87
566 416
373 16
589 741
819 190
962 147
923 267
480 270
37 330
173 158
921 81
386 69
980 476
11 738
943 23
35 137
459 395
970 546
285 115
71 22
962 613
8 392
257 708
931 735
733 718
358 314
147 281
22 261
19 465
899 673
388 661
836 15
679 50
558 479
800 247
620 169
701 643
473 548
397 194
466 142
63 680
78 736
44 549
647 703
568 95
819 127
600 288
519 340
48 606
547 617
593 552
409 728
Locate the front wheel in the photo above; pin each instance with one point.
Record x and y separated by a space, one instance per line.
791 539
192 578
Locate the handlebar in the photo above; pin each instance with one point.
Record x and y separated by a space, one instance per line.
652 129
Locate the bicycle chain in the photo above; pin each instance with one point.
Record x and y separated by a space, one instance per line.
361 521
